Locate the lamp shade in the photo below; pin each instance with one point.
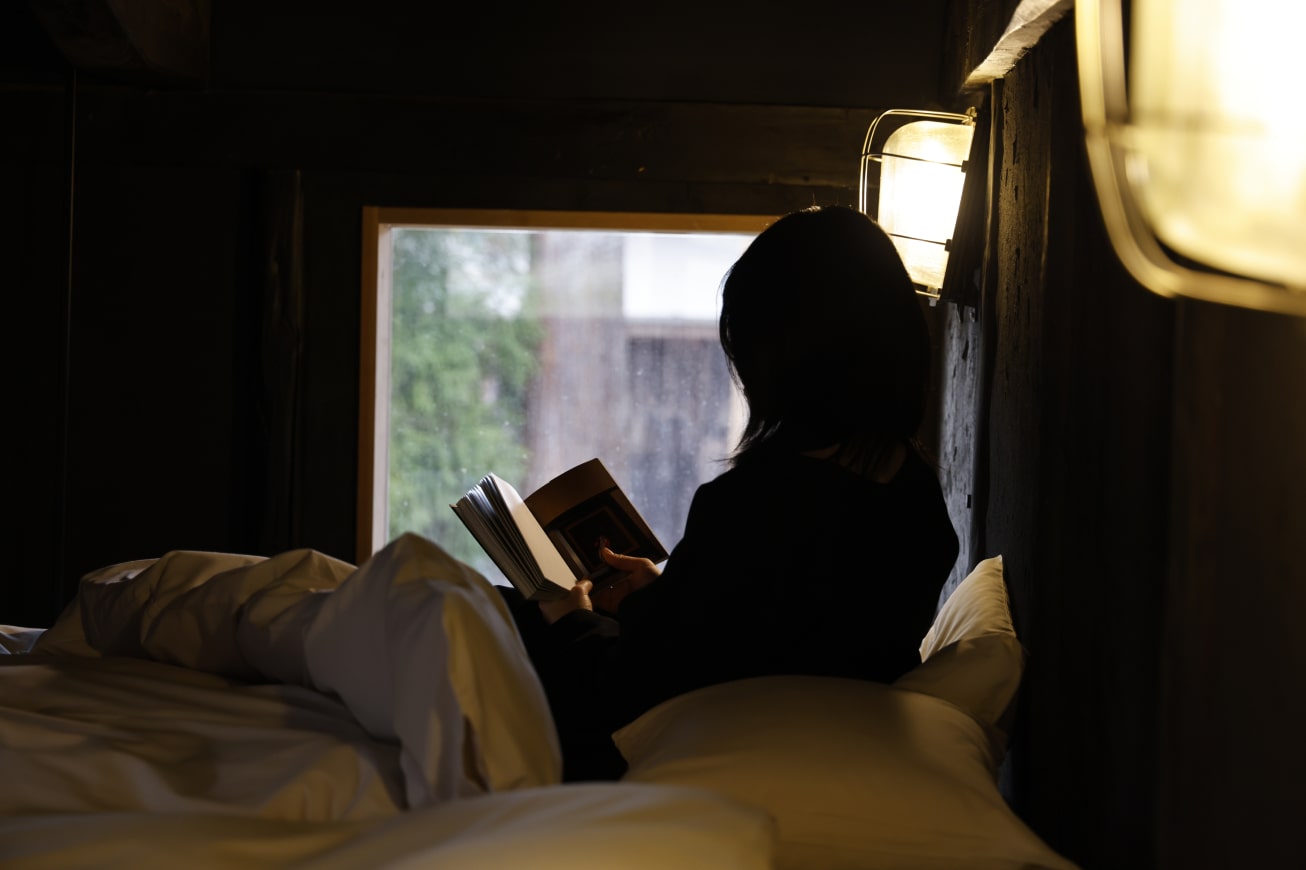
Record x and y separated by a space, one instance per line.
1197 150
921 174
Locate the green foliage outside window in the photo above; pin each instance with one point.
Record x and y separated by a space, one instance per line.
464 349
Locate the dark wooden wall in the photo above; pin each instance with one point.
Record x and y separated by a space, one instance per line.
1139 462
189 309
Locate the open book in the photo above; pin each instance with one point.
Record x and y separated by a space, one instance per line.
547 541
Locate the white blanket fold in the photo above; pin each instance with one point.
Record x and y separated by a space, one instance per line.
418 648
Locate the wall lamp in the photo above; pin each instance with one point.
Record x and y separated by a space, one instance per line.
921 157
1197 147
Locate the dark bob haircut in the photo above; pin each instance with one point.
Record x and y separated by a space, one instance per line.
823 332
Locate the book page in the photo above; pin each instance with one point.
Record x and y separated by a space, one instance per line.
551 564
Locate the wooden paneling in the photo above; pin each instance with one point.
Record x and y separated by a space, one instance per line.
973 28
176 224
578 108
1232 760
161 41
1144 469
766 52
33 243
961 351
151 452
1075 477
580 143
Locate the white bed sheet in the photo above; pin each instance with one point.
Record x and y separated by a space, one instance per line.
567 827
122 734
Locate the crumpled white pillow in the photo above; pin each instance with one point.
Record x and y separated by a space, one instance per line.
198 610
971 655
116 605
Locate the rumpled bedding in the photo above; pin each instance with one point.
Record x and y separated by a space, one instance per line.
296 687
596 826
211 710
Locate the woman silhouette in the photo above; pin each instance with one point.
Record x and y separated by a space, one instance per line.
822 550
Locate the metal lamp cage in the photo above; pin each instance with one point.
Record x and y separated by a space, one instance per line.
873 152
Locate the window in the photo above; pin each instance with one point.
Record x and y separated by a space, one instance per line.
525 343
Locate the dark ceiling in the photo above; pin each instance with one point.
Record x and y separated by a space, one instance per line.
868 54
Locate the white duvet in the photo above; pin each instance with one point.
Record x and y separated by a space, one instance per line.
119 734
290 687
216 710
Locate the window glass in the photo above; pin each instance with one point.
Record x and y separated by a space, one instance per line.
527 351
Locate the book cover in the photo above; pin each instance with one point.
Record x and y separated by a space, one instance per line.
545 542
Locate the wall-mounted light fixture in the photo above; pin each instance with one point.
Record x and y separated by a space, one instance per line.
921 156
1197 147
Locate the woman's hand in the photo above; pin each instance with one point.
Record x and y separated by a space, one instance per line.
577 599
635 573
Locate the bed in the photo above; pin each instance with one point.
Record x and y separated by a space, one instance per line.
219 710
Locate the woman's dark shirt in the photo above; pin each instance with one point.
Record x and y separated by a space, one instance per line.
788 565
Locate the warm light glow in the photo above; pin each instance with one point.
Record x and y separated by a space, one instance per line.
1206 152
1223 152
920 188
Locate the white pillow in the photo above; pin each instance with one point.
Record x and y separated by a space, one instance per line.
971 655
856 774
976 608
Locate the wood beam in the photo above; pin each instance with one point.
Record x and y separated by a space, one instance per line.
161 41
1029 22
